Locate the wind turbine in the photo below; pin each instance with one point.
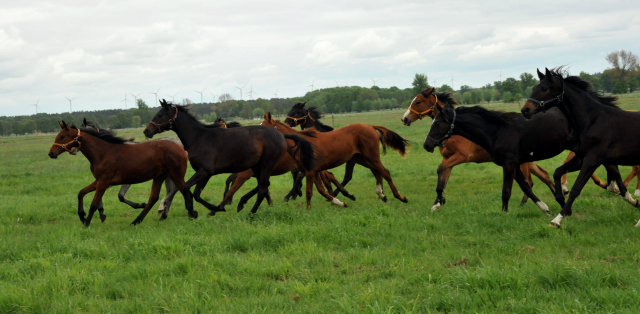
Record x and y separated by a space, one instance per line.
251 93
36 104
337 85
70 102
374 81
156 93
125 101
173 98
240 88
200 94
452 82
314 80
213 100
500 76
276 94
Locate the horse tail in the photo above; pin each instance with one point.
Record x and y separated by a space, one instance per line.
392 139
305 148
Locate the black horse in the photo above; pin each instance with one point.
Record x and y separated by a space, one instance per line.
215 149
603 130
310 118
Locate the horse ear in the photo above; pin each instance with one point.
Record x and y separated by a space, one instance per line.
84 121
268 116
447 110
428 91
163 103
547 73
540 75
63 125
439 107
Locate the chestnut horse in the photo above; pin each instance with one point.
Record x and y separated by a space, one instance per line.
458 150
113 163
356 142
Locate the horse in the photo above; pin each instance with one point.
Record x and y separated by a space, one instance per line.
357 143
214 149
285 164
165 203
458 150
635 171
310 118
114 163
602 130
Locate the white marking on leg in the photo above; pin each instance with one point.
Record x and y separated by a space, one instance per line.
613 188
556 221
435 206
336 201
565 190
161 207
630 199
637 193
638 224
543 207
379 191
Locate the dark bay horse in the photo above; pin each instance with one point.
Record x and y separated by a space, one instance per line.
165 203
214 149
114 163
458 150
307 118
602 130
355 142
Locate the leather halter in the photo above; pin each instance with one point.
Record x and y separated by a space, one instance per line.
443 140
426 112
66 145
170 122
541 103
304 118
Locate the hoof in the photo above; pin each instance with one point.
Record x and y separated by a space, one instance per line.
435 206
384 199
163 217
86 224
345 204
404 200
160 211
212 213
565 192
555 225
240 208
194 215
135 222
352 197
103 218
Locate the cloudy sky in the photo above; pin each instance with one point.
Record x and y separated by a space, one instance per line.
99 51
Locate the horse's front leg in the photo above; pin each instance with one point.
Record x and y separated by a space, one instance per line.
96 203
589 166
444 172
89 188
123 190
572 165
508 174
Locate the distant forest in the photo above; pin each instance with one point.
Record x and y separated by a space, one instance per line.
622 77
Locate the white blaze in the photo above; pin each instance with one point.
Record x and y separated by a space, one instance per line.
409 111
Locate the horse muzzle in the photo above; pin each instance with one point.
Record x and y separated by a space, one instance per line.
428 146
406 121
53 155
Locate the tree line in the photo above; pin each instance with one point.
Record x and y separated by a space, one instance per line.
622 77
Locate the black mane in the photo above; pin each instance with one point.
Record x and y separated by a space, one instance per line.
491 116
186 111
104 134
316 114
446 98
584 86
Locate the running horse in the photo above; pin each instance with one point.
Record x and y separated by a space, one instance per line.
114 163
602 131
457 149
215 149
357 143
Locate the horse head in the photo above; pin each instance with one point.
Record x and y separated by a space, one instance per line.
66 140
163 120
547 94
421 106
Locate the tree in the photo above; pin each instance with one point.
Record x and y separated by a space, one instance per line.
634 82
623 61
419 83
258 112
113 122
464 89
526 80
445 88
606 81
511 85
368 94
141 104
136 121
620 87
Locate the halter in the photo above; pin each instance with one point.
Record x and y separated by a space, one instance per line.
304 118
65 145
426 112
559 98
170 122
443 140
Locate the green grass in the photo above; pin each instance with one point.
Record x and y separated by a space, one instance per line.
370 257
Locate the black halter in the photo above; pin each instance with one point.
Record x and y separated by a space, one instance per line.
443 140
559 98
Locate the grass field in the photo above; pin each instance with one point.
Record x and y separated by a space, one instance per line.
371 257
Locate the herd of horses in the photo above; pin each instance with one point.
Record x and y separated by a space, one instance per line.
562 113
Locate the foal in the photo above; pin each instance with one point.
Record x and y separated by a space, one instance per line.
113 163
357 143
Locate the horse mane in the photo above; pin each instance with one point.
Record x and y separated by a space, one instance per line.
186 111
316 114
311 132
584 86
104 134
491 116
299 105
446 98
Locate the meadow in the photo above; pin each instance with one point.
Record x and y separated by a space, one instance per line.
372 257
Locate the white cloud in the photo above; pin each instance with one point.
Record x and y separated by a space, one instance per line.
325 53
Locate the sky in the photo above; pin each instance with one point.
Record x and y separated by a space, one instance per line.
99 53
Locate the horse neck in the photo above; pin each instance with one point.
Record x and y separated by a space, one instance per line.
476 129
93 148
189 131
283 128
308 123
578 108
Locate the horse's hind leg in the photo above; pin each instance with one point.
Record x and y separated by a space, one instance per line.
612 170
348 174
526 188
177 176
527 174
318 182
263 186
380 172
612 174
230 181
297 185
123 190
240 180
97 200
245 198
165 203
153 198
329 176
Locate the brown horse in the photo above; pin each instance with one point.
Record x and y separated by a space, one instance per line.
114 163
458 150
635 171
355 142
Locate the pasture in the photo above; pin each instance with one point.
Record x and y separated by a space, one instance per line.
370 257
